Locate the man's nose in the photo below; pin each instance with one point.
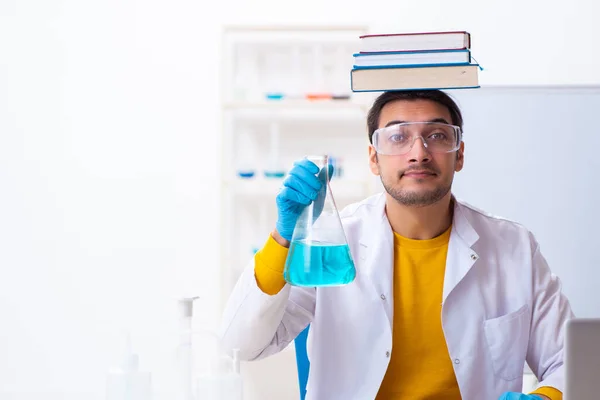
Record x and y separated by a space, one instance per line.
418 152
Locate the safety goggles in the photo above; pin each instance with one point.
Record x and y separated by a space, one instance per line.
400 138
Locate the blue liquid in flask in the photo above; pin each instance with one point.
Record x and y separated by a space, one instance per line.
319 264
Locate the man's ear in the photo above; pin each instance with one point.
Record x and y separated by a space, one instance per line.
373 161
460 157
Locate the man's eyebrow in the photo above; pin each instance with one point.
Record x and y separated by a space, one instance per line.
440 120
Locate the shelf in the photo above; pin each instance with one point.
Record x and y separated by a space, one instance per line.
262 187
337 110
295 103
299 108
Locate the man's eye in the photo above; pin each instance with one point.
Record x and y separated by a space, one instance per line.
438 136
397 138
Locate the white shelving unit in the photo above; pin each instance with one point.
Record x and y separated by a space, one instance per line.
285 94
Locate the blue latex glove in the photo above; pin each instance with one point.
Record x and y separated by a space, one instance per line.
300 188
519 396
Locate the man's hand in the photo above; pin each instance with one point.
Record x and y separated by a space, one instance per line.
521 396
304 184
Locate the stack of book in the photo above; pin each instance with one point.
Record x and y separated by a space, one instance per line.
410 61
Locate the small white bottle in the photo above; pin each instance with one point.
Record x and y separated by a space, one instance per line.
223 382
246 155
184 390
274 169
127 382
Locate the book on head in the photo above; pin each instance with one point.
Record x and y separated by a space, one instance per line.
414 77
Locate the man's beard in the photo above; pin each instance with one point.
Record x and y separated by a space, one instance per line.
414 199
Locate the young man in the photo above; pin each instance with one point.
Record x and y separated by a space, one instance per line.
448 302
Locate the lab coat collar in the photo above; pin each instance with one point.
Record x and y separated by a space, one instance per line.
461 225
461 256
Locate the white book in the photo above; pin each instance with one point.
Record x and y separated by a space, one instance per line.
412 58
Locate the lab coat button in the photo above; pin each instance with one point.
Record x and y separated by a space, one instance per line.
456 361
474 256
387 353
382 297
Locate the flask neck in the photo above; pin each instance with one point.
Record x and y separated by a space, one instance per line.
319 160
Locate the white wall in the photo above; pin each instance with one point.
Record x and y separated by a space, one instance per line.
108 152
107 168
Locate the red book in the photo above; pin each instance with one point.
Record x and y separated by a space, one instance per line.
451 40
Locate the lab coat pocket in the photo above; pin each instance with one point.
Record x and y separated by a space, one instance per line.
507 338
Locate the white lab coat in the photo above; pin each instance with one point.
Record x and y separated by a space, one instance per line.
501 307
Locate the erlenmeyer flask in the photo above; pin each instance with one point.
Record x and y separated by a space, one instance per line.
319 254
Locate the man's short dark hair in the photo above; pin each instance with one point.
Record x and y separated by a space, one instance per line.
411 95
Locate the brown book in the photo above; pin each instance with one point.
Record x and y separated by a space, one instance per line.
415 41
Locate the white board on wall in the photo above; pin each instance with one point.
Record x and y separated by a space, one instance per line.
532 155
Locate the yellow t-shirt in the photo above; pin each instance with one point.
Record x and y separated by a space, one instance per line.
420 367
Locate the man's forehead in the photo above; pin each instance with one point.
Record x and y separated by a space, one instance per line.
413 111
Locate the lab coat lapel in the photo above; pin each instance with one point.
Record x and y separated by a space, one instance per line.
377 250
461 257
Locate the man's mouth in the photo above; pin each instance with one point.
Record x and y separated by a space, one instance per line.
418 173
